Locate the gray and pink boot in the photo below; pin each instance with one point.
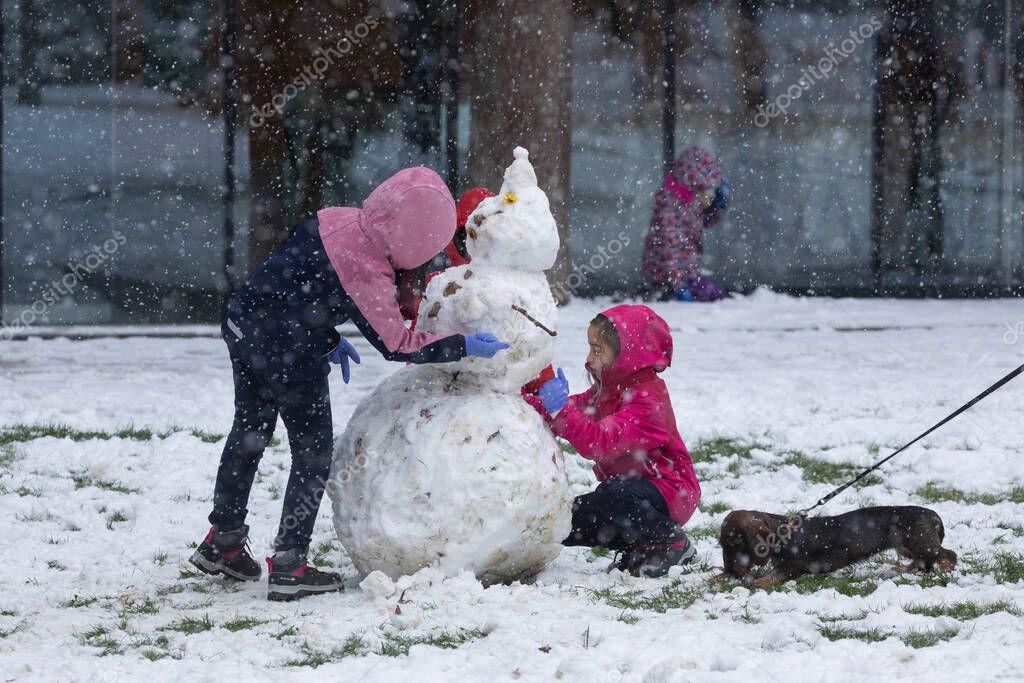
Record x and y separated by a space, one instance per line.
655 561
291 578
227 553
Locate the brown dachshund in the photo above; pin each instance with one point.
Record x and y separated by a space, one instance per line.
813 545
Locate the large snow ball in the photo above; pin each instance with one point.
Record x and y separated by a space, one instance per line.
431 473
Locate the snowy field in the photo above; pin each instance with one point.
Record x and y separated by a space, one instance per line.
110 445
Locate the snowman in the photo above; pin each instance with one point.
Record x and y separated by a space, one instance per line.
446 465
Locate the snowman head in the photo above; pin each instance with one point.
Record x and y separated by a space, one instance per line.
514 229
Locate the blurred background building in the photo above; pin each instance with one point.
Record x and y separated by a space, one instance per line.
873 148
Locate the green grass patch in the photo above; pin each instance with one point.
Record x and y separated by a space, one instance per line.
6 632
20 433
1004 567
189 572
99 636
397 645
567 447
703 531
918 639
323 553
817 471
7 456
156 655
935 493
26 491
673 595
963 611
867 635
1016 529
85 480
714 508
54 564
159 647
842 582
242 623
78 602
287 632
708 450
205 436
33 517
843 617
929 580
353 646
115 517
189 625
134 606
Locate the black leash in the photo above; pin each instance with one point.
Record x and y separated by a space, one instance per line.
995 387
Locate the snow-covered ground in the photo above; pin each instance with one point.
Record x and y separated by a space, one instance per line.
773 394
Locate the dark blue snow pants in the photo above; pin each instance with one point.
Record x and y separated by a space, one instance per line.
279 367
619 514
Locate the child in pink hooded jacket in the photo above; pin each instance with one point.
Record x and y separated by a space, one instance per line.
624 423
345 264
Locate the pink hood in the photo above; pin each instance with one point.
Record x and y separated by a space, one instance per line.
406 221
644 340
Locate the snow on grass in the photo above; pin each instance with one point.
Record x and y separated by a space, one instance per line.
106 496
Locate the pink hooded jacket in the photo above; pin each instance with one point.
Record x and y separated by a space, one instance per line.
625 424
408 219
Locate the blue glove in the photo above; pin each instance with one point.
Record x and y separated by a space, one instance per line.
555 393
340 355
723 195
683 294
483 345
718 205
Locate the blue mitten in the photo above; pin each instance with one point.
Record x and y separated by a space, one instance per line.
340 355
483 345
555 393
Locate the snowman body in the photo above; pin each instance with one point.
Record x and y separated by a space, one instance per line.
446 464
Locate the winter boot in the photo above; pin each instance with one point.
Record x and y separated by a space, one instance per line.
291 578
227 553
654 562
628 560
704 289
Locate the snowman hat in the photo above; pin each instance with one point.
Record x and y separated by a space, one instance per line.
514 229
519 176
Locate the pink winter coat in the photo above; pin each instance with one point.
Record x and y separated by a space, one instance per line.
406 221
628 428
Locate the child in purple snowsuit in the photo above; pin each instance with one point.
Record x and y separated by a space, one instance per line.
693 197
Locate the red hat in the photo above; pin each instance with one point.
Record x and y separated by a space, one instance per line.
468 202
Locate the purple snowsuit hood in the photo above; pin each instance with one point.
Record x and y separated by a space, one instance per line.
406 221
